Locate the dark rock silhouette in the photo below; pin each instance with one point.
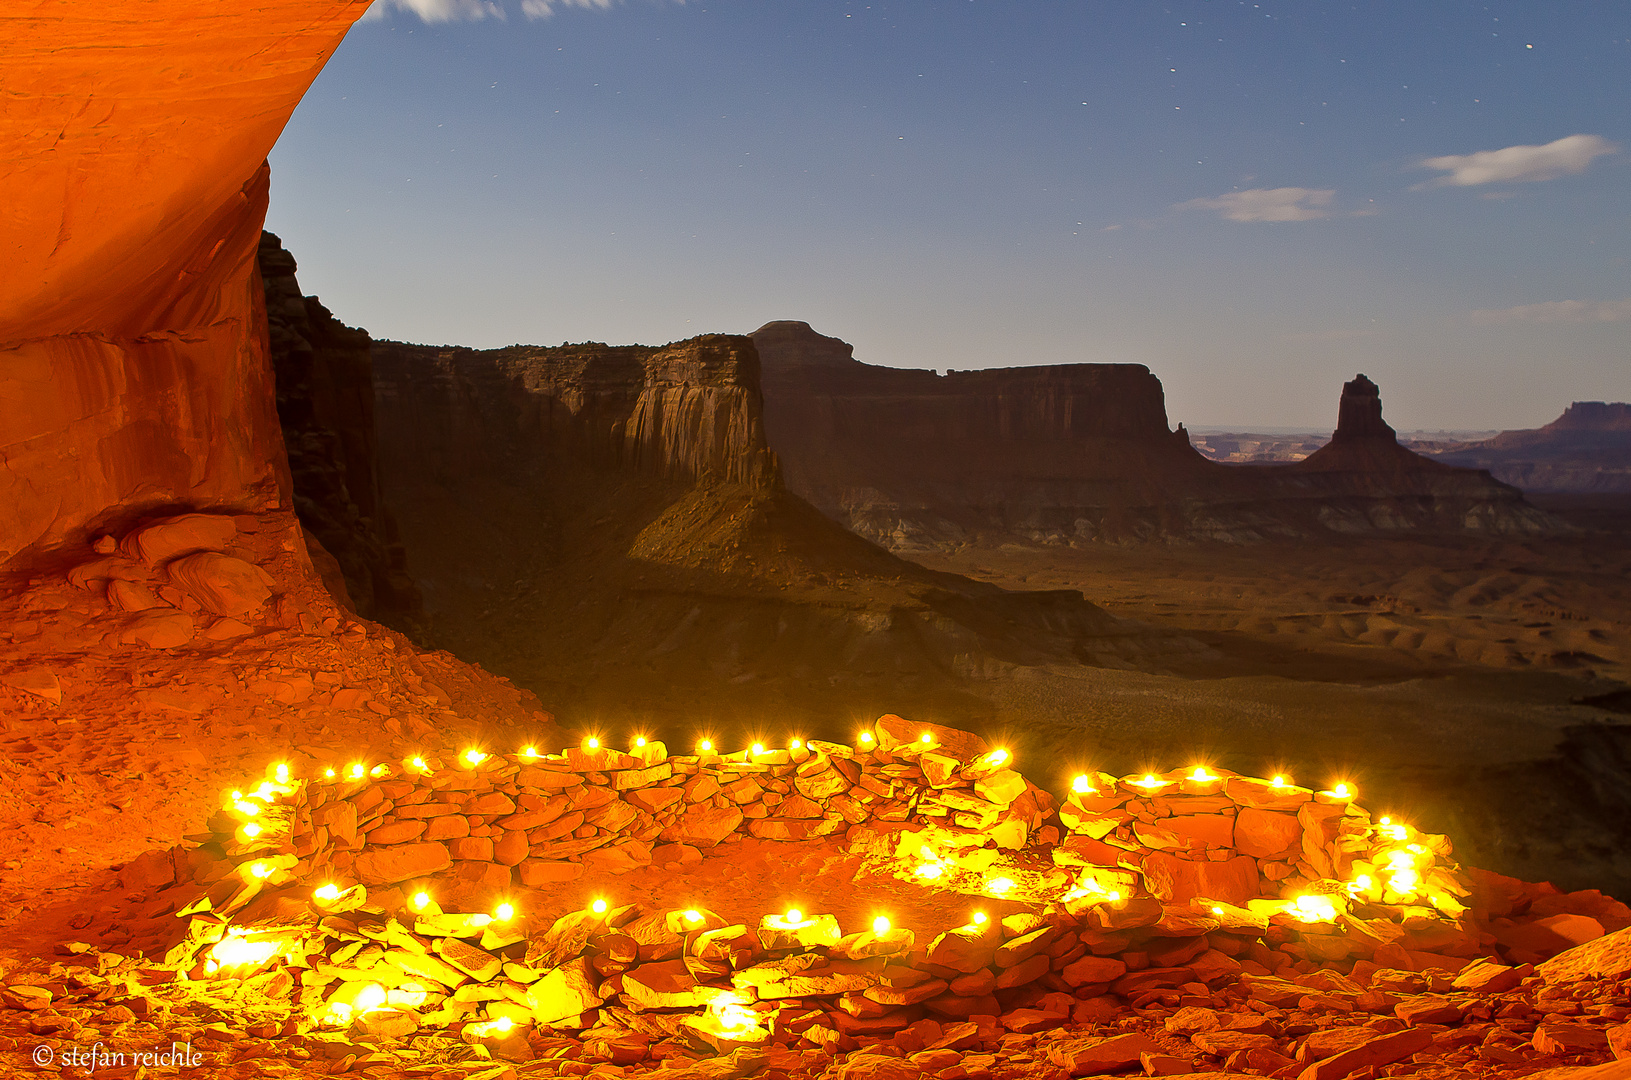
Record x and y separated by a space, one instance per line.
1081 453
325 402
795 342
1359 414
1587 450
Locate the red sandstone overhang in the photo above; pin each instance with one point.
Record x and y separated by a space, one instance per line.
129 131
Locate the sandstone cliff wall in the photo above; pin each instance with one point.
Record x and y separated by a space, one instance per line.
607 526
133 367
687 412
1081 453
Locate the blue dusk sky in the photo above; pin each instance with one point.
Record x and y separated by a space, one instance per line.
1256 200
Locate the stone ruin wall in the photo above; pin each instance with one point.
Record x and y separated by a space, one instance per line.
1145 889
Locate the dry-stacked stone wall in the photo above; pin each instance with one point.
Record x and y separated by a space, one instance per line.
535 820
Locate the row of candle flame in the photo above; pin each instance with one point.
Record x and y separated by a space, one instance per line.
1402 875
1081 784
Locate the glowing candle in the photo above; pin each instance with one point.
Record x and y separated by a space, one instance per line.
640 741
706 746
795 744
1313 908
591 743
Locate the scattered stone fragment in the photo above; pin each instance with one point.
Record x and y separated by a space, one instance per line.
1373 1054
1568 1038
1096 1057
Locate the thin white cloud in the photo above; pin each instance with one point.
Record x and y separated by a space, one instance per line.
440 11
436 11
1519 164
543 9
1557 311
1268 204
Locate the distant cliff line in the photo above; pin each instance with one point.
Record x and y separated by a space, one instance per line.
1586 450
1056 454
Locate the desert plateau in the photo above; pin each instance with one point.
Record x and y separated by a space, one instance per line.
911 698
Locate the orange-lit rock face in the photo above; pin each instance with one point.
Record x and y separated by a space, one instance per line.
130 129
132 355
